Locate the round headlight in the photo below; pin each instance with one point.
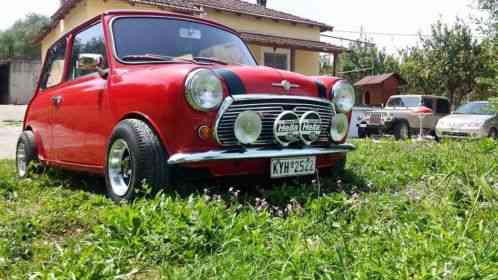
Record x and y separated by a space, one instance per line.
204 91
339 128
248 127
344 96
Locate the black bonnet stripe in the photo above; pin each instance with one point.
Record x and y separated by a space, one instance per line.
322 90
234 83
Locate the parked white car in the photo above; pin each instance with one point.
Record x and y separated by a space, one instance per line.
475 120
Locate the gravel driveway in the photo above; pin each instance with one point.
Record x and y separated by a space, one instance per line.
11 118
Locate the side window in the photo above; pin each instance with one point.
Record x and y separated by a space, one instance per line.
53 72
429 103
443 106
88 52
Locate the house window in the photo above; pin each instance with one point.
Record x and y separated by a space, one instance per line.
276 58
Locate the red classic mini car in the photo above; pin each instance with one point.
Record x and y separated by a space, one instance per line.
140 97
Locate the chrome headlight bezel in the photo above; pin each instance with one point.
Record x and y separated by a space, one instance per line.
196 85
344 96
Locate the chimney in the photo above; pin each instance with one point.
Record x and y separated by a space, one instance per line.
262 2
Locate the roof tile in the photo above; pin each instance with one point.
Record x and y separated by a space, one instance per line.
377 79
233 6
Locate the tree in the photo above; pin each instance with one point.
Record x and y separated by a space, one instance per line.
365 59
18 41
449 62
489 28
488 25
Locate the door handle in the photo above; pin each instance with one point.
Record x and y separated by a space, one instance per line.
57 100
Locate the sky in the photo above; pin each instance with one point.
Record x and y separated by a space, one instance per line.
398 18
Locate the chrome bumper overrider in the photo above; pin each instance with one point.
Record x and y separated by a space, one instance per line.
258 153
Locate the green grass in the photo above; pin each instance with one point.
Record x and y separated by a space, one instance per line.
401 211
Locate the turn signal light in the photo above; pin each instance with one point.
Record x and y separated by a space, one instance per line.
205 132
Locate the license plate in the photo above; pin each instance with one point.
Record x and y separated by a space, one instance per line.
363 125
291 167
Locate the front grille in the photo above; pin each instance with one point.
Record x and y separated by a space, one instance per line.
270 107
455 134
375 118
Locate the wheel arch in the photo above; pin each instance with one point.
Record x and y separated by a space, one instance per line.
40 147
151 124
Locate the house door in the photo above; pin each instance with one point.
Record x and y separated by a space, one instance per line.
367 98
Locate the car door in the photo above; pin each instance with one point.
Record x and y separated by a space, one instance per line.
43 106
80 112
429 120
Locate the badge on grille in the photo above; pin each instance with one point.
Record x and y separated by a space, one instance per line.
310 127
286 128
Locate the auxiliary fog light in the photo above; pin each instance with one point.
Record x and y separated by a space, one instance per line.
248 127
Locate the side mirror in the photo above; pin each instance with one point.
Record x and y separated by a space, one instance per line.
91 62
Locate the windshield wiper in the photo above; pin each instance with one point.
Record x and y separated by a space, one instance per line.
155 57
210 59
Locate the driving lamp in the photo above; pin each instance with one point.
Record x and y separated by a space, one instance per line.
339 128
343 96
203 90
248 127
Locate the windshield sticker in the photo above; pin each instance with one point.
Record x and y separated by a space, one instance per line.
190 33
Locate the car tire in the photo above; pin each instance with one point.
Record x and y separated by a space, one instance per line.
493 133
136 160
362 133
26 154
401 131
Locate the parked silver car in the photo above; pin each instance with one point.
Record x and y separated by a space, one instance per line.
475 119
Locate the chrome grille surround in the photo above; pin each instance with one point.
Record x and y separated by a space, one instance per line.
270 106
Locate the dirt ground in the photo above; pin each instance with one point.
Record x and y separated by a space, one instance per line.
11 118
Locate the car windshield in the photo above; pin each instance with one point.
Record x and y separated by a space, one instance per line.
476 108
142 39
406 101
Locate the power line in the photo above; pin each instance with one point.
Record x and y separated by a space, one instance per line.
347 39
391 34
381 33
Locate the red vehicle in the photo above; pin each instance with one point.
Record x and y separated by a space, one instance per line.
145 96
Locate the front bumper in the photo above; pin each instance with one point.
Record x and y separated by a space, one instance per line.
257 153
460 133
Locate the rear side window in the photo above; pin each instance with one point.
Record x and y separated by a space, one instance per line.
53 72
90 44
443 106
428 102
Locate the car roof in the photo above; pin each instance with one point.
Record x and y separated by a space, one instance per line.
419 95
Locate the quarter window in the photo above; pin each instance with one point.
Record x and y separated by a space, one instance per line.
53 72
88 44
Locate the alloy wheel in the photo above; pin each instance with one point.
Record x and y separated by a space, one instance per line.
403 131
21 160
120 167
493 134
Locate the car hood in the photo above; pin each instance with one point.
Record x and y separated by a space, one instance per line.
457 120
390 110
238 79
266 80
